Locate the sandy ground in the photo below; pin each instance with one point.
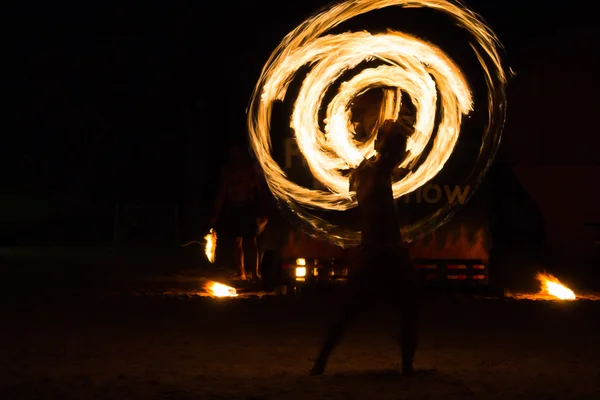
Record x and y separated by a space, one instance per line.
127 343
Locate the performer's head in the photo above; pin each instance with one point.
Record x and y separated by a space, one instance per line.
391 142
392 136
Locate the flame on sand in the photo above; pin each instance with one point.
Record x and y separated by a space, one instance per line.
551 289
210 247
552 286
217 289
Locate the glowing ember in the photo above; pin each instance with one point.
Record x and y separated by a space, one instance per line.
211 245
217 289
427 75
552 286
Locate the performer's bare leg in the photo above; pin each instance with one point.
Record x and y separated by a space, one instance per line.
333 338
354 305
408 337
252 256
409 309
239 256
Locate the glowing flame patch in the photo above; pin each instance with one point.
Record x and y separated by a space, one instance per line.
217 289
553 287
210 248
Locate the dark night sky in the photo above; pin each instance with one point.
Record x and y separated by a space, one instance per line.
133 99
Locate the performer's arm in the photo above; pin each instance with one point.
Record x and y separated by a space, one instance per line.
352 181
399 173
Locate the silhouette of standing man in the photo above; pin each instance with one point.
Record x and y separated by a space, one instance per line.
239 209
384 265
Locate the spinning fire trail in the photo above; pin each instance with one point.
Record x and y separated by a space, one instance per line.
435 84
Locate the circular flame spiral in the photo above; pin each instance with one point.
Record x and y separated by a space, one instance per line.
412 65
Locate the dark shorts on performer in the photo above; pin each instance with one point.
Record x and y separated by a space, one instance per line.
238 220
383 270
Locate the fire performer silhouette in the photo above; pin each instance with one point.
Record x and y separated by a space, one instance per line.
239 209
384 265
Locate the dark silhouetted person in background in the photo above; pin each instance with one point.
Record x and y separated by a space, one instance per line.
384 265
238 209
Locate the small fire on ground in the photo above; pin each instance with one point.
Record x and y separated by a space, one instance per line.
216 289
551 289
552 286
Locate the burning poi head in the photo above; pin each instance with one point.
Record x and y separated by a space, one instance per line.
210 246
406 67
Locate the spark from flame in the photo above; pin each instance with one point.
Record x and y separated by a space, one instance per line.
415 66
210 247
217 289
553 287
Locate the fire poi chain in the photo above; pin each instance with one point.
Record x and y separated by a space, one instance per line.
414 66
